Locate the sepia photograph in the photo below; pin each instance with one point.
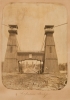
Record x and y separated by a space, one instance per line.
34 46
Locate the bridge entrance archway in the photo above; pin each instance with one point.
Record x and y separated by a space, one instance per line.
30 66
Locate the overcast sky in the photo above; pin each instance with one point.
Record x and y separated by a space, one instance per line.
31 19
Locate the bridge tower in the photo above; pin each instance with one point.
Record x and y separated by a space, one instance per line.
11 63
50 61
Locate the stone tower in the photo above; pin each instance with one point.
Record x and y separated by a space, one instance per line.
11 63
50 61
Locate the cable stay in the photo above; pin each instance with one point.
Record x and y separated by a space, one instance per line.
43 43
18 46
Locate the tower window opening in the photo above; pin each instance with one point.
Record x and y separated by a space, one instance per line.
50 49
11 48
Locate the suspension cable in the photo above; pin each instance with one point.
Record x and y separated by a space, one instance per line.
60 25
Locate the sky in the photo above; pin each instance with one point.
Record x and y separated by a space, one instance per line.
31 19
